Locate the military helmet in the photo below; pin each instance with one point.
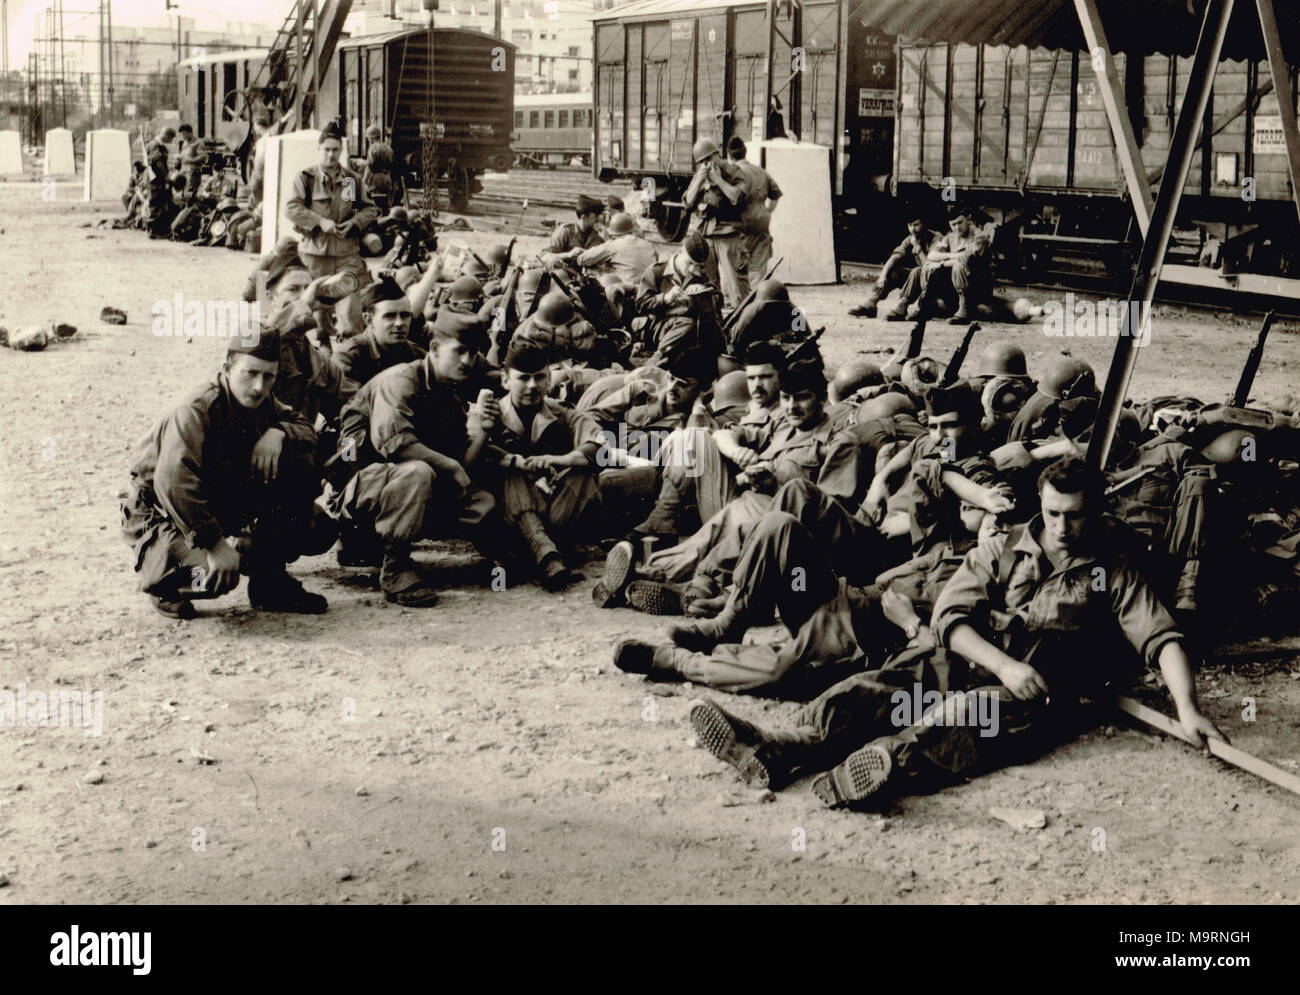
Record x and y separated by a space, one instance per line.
1228 446
704 148
885 406
1070 377
730 391
474 266
466 289
621 224
920 374
1002 359
530 280
853 376
555 309
771 290
496 256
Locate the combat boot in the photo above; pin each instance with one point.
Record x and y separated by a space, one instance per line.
273 590
867 309
400 582
550 565
701 636
961 316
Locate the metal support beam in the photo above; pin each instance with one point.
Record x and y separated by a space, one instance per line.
1121 125
1209 45
1277 68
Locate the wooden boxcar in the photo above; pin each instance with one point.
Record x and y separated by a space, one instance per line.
1023 132
669 72
386 80
552 128
211 92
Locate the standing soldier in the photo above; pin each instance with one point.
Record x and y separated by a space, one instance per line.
761 195
717 195
909 255
330 210
162 209
570 240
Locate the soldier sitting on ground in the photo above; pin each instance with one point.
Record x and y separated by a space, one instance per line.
908 256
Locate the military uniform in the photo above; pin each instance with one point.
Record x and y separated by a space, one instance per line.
723 230
756 218
362 357
970 273
627 257
570 236
393 497
162 208
192 484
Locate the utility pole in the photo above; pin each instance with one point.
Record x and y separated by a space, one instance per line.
496 18
4 65
63 66
108 17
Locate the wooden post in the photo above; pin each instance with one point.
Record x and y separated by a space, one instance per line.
1121 125
1277 68
1209 45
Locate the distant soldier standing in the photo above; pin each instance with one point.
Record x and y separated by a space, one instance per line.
761 195
162 209
330 210
717 195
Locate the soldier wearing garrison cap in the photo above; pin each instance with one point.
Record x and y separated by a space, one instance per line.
569 241
386 339
230 460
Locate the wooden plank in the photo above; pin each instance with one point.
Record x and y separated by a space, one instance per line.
1224 751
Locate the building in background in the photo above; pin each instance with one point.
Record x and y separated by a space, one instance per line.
553 36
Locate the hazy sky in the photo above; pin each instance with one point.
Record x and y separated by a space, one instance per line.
213 14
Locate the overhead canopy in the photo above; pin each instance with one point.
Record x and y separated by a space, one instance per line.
1136 26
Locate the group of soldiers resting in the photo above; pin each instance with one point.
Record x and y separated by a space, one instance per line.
908 526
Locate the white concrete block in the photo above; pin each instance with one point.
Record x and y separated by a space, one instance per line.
286 156
11 153
802 231
108 164
59 158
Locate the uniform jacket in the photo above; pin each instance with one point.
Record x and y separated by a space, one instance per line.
720 216
195 462
362 356
569 236
759 189
1147 503
317 196
820 454
914 249
627 257
408 404
1009 592
311 381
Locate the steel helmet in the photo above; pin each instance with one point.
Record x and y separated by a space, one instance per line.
466 289
555 310
704 148
1227 448
530 280
621 224
496 256
885 406
730 391
1070 377
473 266
854 375
771 290
373 243
920 374
1002 359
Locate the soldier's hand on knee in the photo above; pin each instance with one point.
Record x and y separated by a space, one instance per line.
266 455
223 568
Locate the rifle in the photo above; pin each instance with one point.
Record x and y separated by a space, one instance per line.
953 370
500 330
579 305
510 251
732 318
1247 379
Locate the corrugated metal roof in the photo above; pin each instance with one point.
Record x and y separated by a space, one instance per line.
1138 26
669 8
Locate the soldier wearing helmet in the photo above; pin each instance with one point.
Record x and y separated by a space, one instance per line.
769 316
718 196
462 316
626 254
557 327
569 241
1069 378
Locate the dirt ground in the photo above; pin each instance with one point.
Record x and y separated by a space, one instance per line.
487 750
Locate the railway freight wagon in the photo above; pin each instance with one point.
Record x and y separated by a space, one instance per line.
551 129
1023 133
211 92
669 72
463 98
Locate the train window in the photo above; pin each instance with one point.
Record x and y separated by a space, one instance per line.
550 119
563 121
519 119
532 119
